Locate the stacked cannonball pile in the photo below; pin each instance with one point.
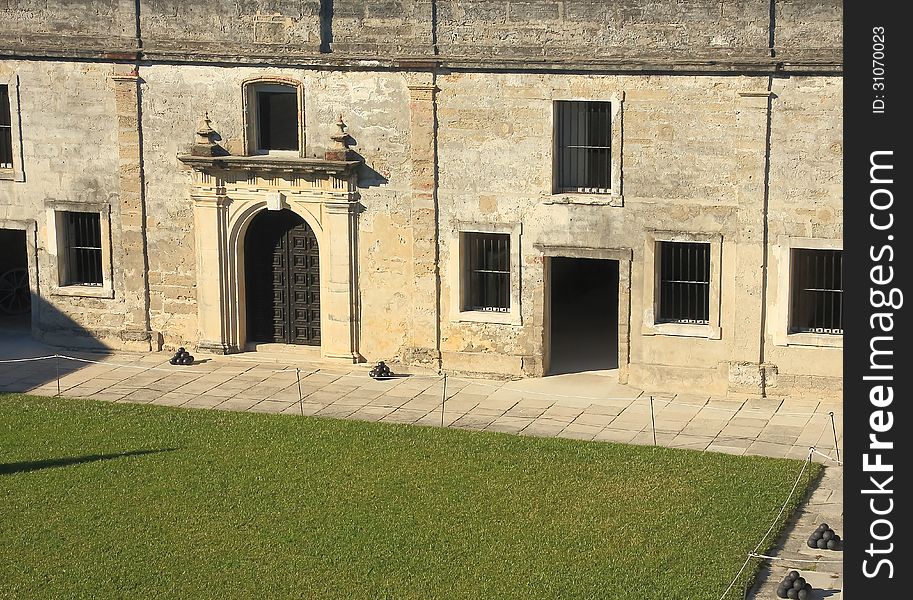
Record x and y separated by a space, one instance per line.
794 586
824 538
181 357
381 371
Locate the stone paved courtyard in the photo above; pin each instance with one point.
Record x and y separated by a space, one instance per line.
582 406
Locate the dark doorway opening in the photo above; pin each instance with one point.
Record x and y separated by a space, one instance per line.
15 295
583 331
282 279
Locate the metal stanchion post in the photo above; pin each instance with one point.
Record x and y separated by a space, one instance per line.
300 400
653 420
57 366
834 427
443 399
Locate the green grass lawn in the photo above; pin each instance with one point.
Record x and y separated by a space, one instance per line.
102 500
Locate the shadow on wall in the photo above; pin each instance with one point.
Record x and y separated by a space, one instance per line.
59 335
326 25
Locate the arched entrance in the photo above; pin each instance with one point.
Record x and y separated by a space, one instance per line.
282 279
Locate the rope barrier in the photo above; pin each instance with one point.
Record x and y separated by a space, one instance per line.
795 560
290 370
805 464
21 360
827 456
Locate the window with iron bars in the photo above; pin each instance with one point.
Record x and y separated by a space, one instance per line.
488 271
83 248
817 291
684 281
6 129
583 146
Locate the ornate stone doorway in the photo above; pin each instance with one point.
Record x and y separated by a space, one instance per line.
282 270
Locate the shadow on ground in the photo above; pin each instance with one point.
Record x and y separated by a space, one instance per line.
53 463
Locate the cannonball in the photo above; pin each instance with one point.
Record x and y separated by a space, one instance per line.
181 350
836 538
799 583
186 359
822 543
792 593
824 526
173 360
189 359
781 592
793 575
803 594
812 543
826 535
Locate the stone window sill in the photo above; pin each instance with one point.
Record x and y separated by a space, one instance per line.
11 175
83 291
583 199
684 330
484 316
818 340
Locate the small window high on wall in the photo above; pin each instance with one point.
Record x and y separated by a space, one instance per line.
273 125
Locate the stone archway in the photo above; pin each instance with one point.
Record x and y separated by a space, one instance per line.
229 194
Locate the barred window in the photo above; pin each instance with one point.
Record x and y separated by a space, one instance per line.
583 148
83 248
817 291
684 276
488 271
6 129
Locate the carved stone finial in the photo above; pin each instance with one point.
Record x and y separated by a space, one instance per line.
205 144
341 138
341 150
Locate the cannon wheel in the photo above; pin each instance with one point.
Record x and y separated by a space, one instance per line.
15 298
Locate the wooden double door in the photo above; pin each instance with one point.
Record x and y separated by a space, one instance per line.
282 274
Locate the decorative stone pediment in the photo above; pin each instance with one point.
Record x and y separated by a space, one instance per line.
302 178
227 193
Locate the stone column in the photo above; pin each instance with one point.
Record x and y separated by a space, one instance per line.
424 322
746 368
132 257
210 222
337 270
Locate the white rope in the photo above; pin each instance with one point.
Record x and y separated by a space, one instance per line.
21 360
827 456
795 560
253 369
773 524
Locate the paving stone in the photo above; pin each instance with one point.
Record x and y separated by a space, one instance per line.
404 415
509 424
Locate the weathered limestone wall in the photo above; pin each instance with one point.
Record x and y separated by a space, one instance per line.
634 33
70 144
693 161
468 86
806 201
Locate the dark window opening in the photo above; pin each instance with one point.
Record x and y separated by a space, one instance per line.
277 120
684 295
817 291
583 146
83 248
6 129
488 274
